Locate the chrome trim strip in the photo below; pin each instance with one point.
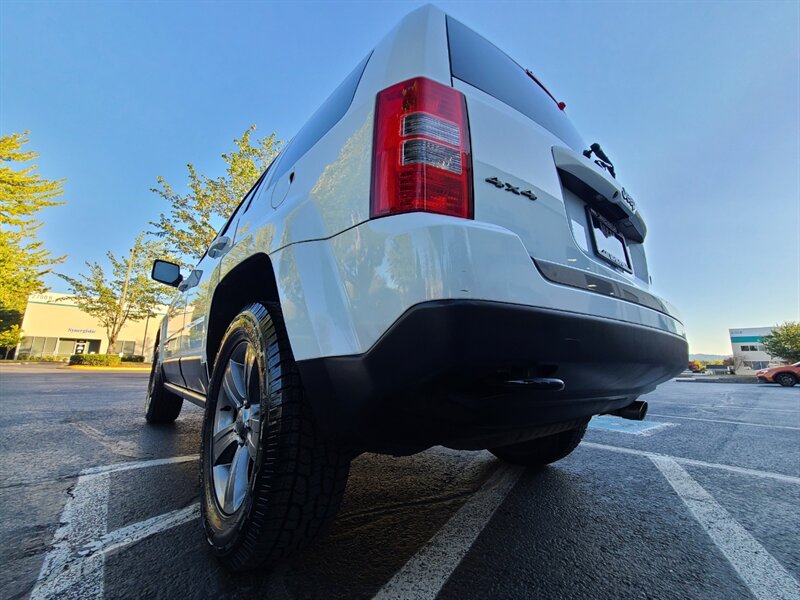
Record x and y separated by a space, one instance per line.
599 285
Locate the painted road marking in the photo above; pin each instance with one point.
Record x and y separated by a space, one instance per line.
762 574
618 425
126 466
425 574
75 565
727 421
84 518
697 463
793 411
120 447
139 464
136 532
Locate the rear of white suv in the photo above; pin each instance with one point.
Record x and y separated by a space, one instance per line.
499 262
436 258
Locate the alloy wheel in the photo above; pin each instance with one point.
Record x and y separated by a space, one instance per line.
237 428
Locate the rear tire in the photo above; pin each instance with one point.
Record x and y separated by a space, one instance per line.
542 451
161 405
270 481
786 379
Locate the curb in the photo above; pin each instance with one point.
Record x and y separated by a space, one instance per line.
746 380
114 369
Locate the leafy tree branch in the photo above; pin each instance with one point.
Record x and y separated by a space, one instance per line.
126 293
784 342
190 224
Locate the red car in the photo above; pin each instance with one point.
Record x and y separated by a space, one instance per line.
786 375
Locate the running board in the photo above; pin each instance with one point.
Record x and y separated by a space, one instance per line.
187 394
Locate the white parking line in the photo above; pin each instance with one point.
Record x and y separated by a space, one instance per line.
762 574
725 421
74 567
617 425
139 464
63 574
120 447
660 403
696 463
425 574
136 532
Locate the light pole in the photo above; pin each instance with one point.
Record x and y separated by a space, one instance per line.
144 341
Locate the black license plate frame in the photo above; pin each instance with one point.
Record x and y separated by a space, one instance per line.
612 247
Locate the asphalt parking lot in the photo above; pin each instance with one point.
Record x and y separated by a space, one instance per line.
699 501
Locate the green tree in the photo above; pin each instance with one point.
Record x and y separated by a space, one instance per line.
784 342
9 338
190 225
126 294
23 259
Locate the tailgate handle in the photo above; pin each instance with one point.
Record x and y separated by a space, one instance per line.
602 193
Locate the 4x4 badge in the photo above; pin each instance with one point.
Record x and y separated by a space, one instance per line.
510 188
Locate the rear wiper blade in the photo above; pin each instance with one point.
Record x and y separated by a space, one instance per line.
603 161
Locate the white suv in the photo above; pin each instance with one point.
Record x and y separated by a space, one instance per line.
435 258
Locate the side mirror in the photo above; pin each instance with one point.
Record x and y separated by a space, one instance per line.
166 272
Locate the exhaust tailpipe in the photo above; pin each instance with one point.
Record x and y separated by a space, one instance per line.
635 411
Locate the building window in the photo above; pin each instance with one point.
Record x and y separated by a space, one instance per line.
755 365
749 348
123 347
37 347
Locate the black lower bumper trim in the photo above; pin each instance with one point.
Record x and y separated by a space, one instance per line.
443 373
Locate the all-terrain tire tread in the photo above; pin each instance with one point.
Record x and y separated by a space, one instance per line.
544 450
303 474
163 406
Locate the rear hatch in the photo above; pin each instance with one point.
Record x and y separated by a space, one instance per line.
530 173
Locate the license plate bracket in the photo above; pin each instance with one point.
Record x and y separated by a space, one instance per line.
608 243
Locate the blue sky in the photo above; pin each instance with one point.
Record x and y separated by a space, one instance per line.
697 104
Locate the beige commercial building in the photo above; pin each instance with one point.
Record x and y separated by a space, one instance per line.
53 325
749 354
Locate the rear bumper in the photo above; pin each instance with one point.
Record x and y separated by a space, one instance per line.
341 294
437 375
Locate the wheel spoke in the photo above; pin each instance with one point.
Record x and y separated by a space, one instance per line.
237 480
237 427
223 440
233 389
252 443
249 362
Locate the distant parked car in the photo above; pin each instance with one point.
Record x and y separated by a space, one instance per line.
786 375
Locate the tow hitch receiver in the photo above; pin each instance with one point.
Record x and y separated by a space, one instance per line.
550 384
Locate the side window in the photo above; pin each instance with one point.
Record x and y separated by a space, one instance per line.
321 121
260 185
245 203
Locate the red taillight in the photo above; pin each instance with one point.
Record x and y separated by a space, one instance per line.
421 155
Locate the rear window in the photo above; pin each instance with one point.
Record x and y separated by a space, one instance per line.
483 65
